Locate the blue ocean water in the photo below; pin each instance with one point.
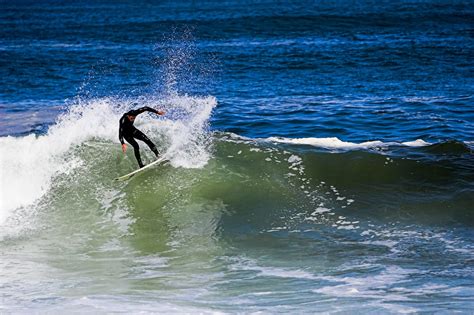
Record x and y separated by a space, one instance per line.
395 70
320 156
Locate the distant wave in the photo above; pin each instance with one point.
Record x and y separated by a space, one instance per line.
335 143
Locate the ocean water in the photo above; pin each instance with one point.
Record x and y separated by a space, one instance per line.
320 157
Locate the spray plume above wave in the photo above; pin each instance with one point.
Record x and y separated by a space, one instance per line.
32 162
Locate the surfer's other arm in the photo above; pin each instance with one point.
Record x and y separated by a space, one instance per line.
121 126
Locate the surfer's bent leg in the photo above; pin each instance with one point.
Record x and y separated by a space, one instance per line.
136 150
137 134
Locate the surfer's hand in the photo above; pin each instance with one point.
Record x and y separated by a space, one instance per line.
124 148
160 112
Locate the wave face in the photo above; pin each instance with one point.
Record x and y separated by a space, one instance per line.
358 220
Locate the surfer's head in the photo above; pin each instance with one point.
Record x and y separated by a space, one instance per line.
131 118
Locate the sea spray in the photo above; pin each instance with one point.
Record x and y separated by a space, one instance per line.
182 66
188 135
29 164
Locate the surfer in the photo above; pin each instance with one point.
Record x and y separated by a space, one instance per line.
128 132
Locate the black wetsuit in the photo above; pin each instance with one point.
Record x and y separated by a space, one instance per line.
128 132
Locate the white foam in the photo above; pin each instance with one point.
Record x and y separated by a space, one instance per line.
335 143
416 143
332 143
346 227
268 271
187 132
29 164
368 286
328 143
320 210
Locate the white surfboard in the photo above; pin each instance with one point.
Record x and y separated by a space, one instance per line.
127 176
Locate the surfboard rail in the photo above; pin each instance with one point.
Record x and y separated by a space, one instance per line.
127 176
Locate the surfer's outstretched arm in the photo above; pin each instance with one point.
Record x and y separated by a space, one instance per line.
146 109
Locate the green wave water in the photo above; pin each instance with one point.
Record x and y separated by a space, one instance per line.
232 224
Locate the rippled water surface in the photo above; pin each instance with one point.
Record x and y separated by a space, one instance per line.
320 157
